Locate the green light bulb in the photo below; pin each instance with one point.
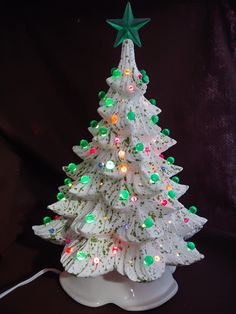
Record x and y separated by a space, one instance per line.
148 260
80 255
191 246
143 72
84 144
89 218
148 222
47 219
101 94
139 147
145 79
68 182
172 194
154 119
131 116
175 179
85 179
93 124
192 209
154 177
124 194
170 160
72 167
116 73
103 131
165 132
109 102
60 196
153 101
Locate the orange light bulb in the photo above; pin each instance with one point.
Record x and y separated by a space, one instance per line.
114 118
169 187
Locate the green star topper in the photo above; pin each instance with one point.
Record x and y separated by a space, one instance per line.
127 27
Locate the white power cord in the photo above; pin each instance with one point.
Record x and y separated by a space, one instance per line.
25 282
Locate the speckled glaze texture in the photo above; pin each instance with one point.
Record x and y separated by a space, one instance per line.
119 223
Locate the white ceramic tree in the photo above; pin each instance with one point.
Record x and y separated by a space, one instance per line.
119 208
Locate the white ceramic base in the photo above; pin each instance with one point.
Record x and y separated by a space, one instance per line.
118 289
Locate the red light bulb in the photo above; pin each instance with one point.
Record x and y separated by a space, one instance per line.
68 250
164 202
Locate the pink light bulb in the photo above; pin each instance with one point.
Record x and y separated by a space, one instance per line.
130 88
134 198
96 260
117 140
114 250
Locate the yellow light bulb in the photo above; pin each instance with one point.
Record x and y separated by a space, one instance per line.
157 258
123 168
169 187
121 154
127 72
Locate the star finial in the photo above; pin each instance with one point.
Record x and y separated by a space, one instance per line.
127 27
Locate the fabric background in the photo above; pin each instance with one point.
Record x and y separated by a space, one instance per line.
54 58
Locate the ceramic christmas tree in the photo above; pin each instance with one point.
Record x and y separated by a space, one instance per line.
119 210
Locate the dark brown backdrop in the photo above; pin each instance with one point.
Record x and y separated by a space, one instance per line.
54 58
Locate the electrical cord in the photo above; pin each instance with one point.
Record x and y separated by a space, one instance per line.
25 282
